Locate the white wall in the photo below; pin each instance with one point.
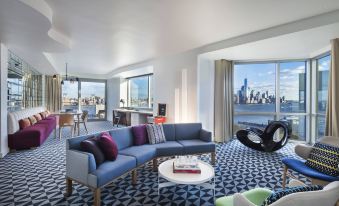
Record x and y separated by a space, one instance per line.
3 95
113 96
167 77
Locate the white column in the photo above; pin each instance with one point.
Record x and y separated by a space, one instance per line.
184 99
176 105
112 96
3 95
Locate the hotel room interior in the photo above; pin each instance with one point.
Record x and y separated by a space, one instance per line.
155 102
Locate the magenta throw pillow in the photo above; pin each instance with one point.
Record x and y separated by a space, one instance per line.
140 135
91 145
108 146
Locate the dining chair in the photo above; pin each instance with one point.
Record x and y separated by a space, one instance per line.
66 120
83 119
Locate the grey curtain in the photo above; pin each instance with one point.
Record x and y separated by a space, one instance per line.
53 93
332 111
223 101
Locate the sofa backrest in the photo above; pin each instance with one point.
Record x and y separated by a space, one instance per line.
14 117
187 131
74 143
123 137
169 130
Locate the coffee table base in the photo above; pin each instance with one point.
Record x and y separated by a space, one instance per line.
204 185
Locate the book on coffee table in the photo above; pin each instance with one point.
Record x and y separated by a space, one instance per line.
195 169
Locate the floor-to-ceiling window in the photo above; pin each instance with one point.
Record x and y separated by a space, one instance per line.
85 94
295 91
70 95
140 92
92 99
270 91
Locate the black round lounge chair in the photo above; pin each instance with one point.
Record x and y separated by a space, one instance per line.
264 139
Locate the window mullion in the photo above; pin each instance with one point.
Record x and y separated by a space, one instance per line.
277 90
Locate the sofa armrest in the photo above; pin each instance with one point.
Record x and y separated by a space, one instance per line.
303 150
205 135
79 164
241 200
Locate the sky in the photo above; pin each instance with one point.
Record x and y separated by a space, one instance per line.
87 89
261 77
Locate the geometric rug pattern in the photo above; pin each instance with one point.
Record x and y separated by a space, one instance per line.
37 177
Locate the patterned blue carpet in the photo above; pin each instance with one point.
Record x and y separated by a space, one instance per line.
37 177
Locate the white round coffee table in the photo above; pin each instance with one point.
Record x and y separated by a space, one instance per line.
165 170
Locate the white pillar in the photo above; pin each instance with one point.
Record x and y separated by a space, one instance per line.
176 105
112 96
184 98
3 96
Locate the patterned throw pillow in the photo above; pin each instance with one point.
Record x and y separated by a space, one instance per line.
32 120
275 196
23 123
155 133
324 158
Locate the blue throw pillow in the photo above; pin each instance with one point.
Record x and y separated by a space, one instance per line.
281 193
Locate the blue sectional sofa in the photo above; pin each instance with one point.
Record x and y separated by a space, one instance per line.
181 139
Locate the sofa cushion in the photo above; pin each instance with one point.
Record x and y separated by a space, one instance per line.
43 115
155 133
110 170
197 146
140 135
169 148
143 153
108 146
123 137
23 123
299 166
324 158
32 120
169 131
90 145
187 131
38 117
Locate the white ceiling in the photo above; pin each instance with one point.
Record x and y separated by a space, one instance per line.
108 34
299 45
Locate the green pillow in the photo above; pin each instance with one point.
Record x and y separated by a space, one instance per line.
324 158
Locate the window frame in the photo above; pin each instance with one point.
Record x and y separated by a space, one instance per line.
149 88
316 81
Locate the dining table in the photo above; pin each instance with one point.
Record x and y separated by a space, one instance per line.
74 113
